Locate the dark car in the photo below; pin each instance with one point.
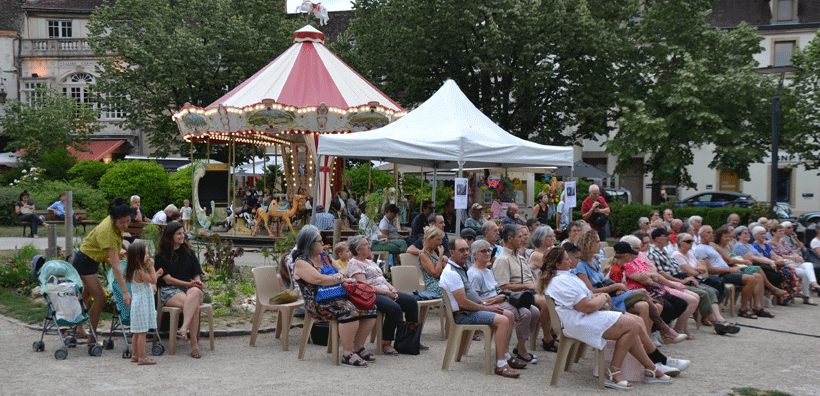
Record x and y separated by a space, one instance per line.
809 218
718 199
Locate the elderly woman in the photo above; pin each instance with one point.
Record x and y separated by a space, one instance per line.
312 270
573 230
584 317
786 272
643 224
684 266
432 259
483 282
769 266
641 273
391 302
24 210
167 215
181 282
541 241
695 222
804 270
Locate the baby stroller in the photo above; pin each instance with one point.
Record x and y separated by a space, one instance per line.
122 317
61 285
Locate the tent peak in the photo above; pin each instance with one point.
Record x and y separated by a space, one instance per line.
308 33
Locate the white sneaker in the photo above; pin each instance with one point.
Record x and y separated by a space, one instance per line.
680 364
767 302
670 371
656 339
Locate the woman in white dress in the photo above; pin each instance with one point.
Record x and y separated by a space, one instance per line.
585 316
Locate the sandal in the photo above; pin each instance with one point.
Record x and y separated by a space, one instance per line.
146 362
532 359
370 358
423 347
389 350
748 314
808 301
356 363
651 377
550 346
762 313
195 354
705 322
134 359
609 382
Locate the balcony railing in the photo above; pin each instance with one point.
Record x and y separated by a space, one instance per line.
66 47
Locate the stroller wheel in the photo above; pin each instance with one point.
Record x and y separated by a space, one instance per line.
95 350
158 349
61 354
41 346
126 353
71 342
35 346
109 344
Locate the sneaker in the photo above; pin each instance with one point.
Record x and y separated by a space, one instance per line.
35 237
531 360
680 364
670 371
656 339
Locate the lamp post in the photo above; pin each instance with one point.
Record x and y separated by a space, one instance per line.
782 70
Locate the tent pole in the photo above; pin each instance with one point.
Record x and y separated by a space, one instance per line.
315 189
253 163
458 211
435 184
209 151
421 190
264 168
369 170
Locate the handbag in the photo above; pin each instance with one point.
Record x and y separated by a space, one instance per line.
285 297
521 299
425 295
408 338
598 220
329 292
361 295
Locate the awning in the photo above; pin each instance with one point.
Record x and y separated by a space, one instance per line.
582 169
97 149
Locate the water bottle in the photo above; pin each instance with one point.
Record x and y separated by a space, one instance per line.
390 260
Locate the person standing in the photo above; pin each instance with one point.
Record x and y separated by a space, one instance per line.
541 209
595 211
141 274
563 216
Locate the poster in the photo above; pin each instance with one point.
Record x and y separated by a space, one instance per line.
572 194
460 197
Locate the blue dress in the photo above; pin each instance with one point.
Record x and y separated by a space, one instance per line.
593 272
143 308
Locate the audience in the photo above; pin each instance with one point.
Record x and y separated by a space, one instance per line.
476 219
433 258
804 270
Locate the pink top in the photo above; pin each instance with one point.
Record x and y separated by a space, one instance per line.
372 272
631 268
647 262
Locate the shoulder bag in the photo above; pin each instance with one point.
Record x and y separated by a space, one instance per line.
362 295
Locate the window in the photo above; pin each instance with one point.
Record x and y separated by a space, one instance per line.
784 185
110 111
59 29
28 95
77 86
785 10
783 52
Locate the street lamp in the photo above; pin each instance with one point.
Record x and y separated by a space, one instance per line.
782 70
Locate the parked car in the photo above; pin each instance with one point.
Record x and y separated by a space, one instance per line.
809 218
718 199
619 194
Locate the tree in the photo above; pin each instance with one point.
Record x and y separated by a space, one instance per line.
694 88
801 108
534 67
167 53
46 126
149 180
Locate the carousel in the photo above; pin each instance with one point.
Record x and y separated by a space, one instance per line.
305 92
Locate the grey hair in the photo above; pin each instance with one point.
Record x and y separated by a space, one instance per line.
703 229
134 197
478 245
170 208
682 237
632 240
730 216
642 220
757 229
353 243
739 230
304 241
693 219
540 195
488 225
537 237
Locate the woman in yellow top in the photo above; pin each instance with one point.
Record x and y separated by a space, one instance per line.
103 242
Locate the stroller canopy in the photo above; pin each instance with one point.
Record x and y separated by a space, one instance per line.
59 269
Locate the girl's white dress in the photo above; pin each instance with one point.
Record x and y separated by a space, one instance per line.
143 308
567 290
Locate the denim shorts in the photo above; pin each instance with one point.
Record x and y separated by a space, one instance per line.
733 278
475 317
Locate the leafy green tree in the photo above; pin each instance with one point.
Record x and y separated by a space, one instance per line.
89 171
357 176
694 88
800 109
57 163
170 52
181 189
146 179
47 126
534 67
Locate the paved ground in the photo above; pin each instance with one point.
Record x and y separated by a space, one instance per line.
759 358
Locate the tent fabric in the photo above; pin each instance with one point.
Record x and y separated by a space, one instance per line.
306 75
445 130
582 169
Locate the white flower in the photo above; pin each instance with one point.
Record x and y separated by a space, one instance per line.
35 178
33 168
24 171
16 181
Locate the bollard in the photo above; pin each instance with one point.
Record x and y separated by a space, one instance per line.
51 250
69 224
337 231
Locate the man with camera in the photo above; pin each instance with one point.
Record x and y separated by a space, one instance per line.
595 211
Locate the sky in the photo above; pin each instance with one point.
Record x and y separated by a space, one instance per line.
331 5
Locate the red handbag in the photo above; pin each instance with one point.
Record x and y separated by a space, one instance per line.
362 295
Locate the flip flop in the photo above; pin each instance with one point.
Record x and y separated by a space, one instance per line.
182 336
195 354
389 350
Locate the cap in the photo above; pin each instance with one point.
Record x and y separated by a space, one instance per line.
659 232
624 247
468 233
476 206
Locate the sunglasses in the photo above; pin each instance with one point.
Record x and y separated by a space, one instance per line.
469 238
689 241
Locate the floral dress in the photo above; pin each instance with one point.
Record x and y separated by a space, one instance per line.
340 308
790 283
430 282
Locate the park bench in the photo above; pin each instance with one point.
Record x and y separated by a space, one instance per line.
82 219
135 229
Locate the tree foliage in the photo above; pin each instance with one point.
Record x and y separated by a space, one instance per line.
801 108
146 179
356 178
181 188
48 125
89 171
170 52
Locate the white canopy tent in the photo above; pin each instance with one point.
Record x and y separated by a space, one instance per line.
447 131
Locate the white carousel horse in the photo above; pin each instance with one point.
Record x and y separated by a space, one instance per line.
319 11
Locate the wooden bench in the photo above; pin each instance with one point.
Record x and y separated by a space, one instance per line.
135 229
82 219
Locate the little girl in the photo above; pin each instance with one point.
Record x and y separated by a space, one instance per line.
141 274
342 252
186 215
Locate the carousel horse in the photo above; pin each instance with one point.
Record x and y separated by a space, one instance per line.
319 11
276 213
230 221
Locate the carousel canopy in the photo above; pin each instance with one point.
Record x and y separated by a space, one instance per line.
446 132
307 89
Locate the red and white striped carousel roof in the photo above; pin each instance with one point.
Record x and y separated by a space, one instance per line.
307 74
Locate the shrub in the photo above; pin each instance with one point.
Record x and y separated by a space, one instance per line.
16 273
56 164
146 179
88 171
180 183
624 219
46 192
8 197
358 179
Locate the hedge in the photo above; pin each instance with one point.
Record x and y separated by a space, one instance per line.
624 218
46 192
149 180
